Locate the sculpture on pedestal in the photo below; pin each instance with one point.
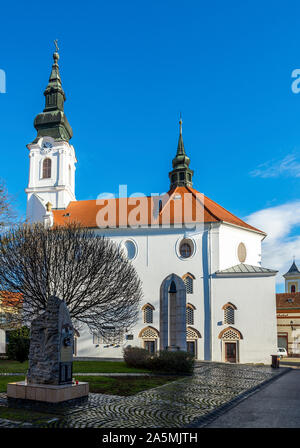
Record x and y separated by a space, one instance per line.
51 346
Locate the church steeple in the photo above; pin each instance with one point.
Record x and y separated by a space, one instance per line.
52 122
181 175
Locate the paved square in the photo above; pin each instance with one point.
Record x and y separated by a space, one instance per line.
187 402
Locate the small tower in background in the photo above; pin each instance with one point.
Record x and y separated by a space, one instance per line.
292 279
181 175
52 157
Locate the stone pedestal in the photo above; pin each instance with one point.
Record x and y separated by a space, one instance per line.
47 393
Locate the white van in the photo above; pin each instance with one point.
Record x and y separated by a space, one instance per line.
281 352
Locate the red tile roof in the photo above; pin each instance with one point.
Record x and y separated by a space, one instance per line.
8 298
119 212
288 300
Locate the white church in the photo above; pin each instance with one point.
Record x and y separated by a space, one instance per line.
204 288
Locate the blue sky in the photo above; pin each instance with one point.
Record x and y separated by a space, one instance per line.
128 70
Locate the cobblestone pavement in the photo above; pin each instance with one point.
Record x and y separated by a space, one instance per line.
188 402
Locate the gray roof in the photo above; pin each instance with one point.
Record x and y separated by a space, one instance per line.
293 270
246 269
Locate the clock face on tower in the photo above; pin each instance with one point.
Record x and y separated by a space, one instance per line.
46 147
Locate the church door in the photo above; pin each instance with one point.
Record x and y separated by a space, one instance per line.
191 347
150 346
230 351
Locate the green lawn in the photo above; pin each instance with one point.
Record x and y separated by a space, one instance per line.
78 367
9 379
24 415
123 386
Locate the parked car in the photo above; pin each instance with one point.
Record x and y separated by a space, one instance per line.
281 352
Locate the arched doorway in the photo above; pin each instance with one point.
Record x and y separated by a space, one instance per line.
149 336
230 344
173 314
192 336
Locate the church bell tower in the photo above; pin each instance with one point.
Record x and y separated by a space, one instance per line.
52 157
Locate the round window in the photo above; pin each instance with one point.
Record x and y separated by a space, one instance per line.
242 252
130 249
186 248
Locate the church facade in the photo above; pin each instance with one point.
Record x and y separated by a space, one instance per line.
204 288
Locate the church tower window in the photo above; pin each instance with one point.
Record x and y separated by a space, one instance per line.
47 168
293 288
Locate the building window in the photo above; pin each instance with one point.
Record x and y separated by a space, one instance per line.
46 168
112 336
190 314
148 313
293 288
130 249
229 309
186 248
188 281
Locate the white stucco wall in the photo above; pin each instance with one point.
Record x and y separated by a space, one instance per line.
229 239
156 259
255 316
254 297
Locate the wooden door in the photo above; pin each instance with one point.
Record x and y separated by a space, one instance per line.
191 347
230 351
150 346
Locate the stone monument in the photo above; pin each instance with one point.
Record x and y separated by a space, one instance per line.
49 375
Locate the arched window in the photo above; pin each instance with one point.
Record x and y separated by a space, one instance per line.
47 168
293 288
148 313
229 309
230 333
188 281
190 314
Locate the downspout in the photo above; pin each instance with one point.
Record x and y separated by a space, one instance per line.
210 287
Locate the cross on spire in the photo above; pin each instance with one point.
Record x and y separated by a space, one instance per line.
56 46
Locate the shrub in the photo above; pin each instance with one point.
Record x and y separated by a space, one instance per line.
136 357
172 362
18 344
162 362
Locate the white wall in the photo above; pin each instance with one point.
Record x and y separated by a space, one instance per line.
156 259
255 316
229 239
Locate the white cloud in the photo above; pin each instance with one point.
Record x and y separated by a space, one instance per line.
289 166
280 245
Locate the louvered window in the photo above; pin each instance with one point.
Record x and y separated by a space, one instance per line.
189 316
231 335
148 315
229 315
188 284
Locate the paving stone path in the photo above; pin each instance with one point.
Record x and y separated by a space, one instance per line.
188 402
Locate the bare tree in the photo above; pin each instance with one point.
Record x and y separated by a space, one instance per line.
6 209
98 283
